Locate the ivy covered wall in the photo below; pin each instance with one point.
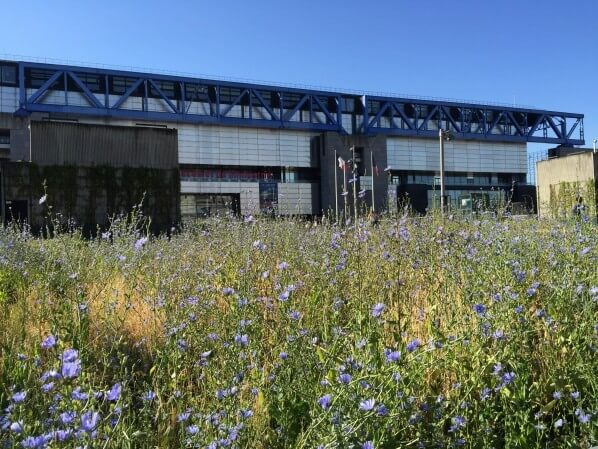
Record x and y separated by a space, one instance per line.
565 195
91 195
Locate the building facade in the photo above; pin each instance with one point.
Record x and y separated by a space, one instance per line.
246 147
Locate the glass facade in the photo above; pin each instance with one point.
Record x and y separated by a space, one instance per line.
223 173
456 178
209 205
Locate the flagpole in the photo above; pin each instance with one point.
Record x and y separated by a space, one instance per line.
354 186
373 195
335 187
345 188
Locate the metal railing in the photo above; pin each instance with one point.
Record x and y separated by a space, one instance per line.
153 70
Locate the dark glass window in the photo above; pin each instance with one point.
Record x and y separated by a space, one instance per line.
196 92
268 196
169 88
35 78
4 137
119 85
8 75
95 83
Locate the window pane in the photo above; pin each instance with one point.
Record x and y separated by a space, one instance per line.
9 75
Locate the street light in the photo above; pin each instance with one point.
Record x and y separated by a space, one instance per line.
442 136
595 140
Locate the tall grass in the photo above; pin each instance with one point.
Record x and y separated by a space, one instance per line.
269 334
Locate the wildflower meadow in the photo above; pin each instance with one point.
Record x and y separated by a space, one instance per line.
273 333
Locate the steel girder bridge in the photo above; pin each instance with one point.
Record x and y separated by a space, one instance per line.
65 91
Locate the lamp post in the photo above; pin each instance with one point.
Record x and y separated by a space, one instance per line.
595 140
442 136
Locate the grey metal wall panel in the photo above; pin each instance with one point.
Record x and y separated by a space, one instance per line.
54 143
244 146
295 199
9 99
461 156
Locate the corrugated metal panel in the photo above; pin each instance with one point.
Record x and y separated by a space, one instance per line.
54 143
473 156
244 146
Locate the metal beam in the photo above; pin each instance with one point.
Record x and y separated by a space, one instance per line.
163 96
127 93
86 92
472 124
263 103
235 102
44 87
324 110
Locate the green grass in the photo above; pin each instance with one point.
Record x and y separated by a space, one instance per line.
239 329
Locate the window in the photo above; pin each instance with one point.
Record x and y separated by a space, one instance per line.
119 85
4 137
169 88
8 75
268 196
229 173
35 78
95 83
209 205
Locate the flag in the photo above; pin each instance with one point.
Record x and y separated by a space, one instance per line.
342 164
375 170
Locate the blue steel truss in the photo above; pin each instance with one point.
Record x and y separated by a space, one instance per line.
72 91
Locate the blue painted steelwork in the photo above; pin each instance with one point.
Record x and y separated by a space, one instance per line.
408 117
107 92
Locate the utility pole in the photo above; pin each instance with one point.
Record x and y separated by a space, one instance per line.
442 136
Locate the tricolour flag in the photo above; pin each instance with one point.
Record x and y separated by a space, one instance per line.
342 164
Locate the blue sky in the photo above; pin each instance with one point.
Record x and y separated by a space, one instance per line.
541 53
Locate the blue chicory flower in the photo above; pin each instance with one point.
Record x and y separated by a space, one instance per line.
114 394
413 345
89 421
367 405
49 342
344 378
325 401
378 309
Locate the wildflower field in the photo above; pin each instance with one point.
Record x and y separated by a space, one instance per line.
418 332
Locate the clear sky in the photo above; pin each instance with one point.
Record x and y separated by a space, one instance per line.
541 53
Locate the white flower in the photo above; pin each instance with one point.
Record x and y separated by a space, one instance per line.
43 199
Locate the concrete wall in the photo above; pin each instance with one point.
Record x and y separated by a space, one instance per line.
409 153
577 169
19 149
